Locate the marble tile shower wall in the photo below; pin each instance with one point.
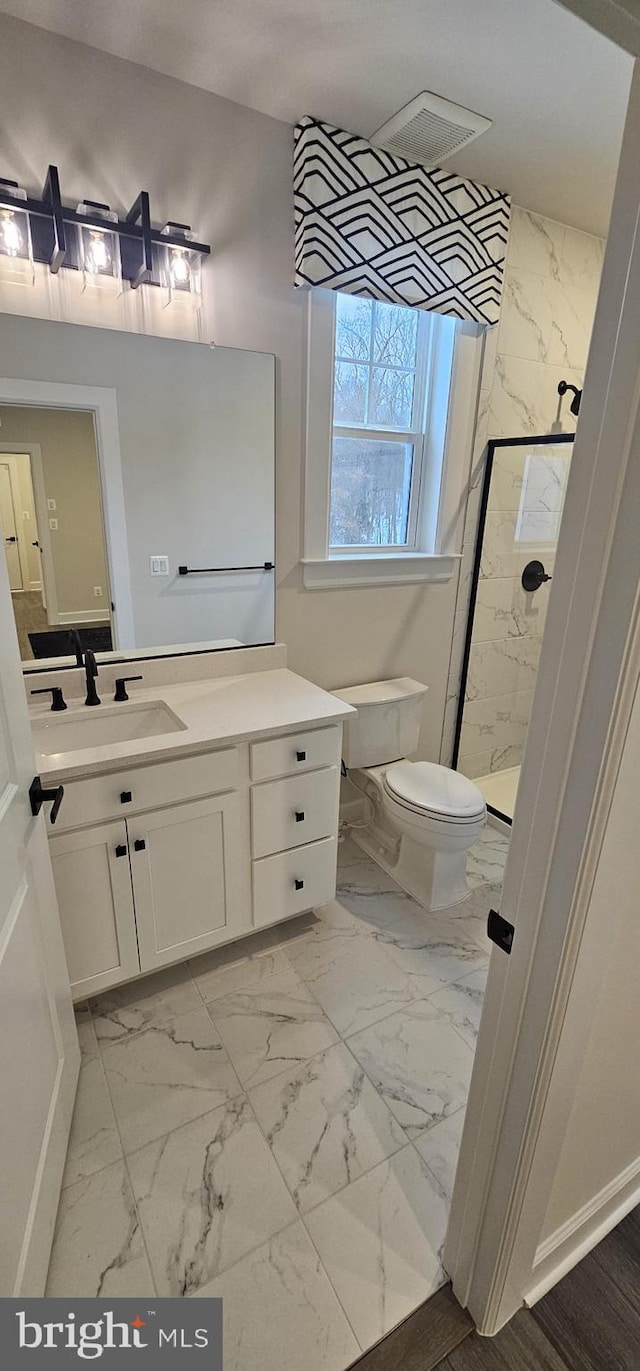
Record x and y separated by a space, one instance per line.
551 285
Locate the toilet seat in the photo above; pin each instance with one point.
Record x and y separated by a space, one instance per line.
435 791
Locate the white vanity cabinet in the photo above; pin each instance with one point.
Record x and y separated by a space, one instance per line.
160 885
157 863
294 819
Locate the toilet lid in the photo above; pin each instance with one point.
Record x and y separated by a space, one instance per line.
427 786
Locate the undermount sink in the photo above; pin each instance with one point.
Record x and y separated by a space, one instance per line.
100 726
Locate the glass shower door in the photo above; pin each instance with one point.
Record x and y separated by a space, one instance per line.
523 499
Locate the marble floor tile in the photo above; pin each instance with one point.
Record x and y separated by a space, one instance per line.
280 1312
207 1194
430 948
235 968
355 980
269 1027
380 1241
326 1125
128 1009
167 1075
439 1147
487 858
461 1004
98 1248
94 1141
418 1063
348 852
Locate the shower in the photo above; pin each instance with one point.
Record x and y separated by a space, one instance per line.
520 512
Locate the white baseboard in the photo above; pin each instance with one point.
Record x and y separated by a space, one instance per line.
562 1250
83 616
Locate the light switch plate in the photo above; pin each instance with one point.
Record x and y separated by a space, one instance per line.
53 523
51 504
159 566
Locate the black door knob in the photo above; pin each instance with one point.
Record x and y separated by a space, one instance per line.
121 850
299 816
126 797
301 756
534 575
139 845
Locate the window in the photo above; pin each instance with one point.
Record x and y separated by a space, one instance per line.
384 430
379 384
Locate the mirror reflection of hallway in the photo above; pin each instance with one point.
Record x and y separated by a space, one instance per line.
52 530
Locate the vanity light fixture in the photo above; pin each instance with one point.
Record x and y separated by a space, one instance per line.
93 240
16 253
98 249
180 268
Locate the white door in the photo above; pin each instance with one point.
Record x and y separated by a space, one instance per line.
93 885
188 866
39 1055
8 528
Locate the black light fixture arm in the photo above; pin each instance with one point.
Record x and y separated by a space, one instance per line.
49 218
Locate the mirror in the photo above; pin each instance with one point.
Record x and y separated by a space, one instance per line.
136 492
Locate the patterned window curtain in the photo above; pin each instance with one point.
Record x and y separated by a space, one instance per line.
369 223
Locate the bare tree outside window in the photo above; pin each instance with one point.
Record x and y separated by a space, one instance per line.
375 397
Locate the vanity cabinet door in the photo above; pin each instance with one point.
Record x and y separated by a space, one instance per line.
93 885
190 869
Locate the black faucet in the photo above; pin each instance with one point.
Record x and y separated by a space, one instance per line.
91 671
76 645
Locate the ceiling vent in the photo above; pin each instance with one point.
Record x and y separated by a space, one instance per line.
430 129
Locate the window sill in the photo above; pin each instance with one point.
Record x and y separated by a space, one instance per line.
376 569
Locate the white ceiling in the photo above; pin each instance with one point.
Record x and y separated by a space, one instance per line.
555 89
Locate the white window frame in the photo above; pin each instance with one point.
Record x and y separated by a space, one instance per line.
442 457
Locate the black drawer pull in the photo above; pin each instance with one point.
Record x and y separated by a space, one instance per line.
299 813
298 885
301 756
126 797
121 850
139 845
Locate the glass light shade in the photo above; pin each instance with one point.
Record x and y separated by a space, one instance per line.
99 251
180 271
16 252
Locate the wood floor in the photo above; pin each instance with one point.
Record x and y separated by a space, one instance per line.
590 1321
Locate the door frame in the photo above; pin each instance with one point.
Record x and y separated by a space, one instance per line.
588 675
101 401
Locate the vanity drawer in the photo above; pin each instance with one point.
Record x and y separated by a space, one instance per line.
295 811
294 881
296 753
166 783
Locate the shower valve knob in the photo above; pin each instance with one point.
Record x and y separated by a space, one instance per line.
534 575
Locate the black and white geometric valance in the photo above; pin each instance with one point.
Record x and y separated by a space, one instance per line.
370 223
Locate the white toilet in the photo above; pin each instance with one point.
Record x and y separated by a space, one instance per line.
423 818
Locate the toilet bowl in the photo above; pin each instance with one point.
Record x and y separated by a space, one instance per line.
423 817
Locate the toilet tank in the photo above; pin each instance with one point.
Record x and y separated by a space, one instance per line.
387 724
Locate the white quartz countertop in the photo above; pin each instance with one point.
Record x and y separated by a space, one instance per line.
230 709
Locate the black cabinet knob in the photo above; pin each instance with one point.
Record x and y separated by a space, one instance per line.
299 816
298 885
139 845
126 797
301 756
121 850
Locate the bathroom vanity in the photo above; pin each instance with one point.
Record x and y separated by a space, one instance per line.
210 811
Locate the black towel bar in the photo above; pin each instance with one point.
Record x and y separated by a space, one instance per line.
218 570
